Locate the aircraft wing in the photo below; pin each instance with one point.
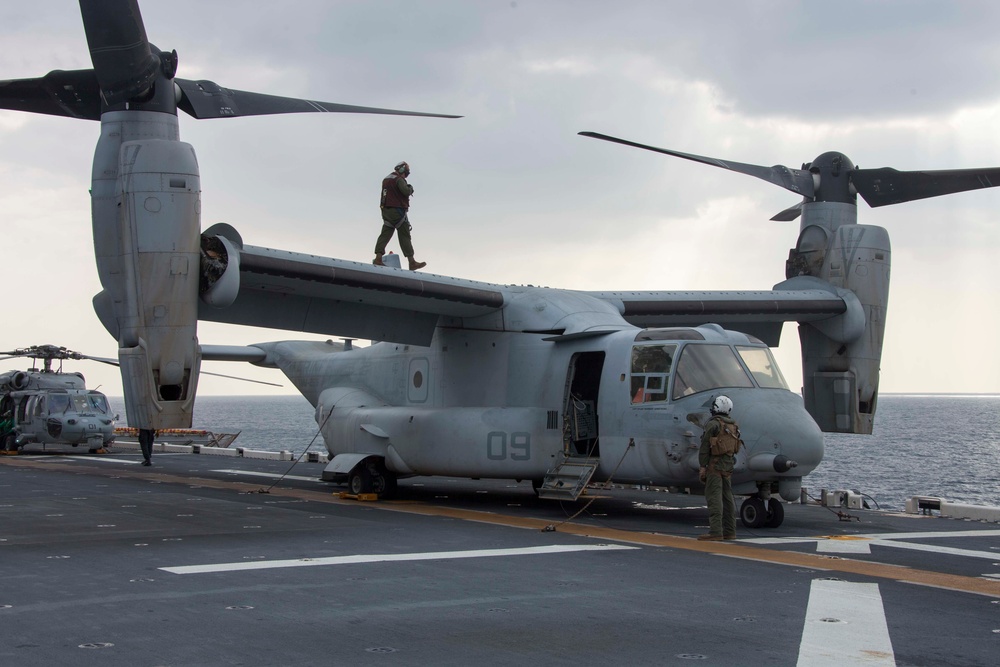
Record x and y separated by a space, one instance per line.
300 292
759 313
305 293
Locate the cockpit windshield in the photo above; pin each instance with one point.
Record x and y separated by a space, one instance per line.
763 367
58 403
706 367
97 403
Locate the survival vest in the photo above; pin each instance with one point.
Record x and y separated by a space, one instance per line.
391 196
727 442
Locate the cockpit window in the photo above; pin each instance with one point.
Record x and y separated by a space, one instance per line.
650 369
763 367
705 367
58 403
97 403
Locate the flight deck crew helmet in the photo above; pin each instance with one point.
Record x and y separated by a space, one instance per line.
722 405
402 168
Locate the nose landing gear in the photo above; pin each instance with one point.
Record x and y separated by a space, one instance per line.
755 512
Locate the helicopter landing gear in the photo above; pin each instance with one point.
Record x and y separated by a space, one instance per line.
371 476
755 512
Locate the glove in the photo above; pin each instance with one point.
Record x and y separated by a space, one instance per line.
702 475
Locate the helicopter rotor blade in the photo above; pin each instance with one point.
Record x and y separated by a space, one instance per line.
798 181
114 362
235 377
207 99
886 186
124 63
103 360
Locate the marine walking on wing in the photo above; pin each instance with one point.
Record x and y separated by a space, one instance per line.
395 205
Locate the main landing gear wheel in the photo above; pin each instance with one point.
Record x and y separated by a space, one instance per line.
371 476
755 513
359 481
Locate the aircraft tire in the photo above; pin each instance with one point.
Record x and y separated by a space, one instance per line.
775 513
753 513
382 480
10 443
359 480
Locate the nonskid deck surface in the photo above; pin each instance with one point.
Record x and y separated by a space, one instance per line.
188 562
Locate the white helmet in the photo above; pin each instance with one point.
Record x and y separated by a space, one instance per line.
722 405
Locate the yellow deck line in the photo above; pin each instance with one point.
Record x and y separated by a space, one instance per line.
976 585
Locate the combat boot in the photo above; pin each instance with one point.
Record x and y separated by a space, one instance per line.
710 538
378 260
414 264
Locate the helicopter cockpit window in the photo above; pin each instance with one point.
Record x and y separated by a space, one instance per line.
763 367
58 403
97 403
705 367
650 369
81 404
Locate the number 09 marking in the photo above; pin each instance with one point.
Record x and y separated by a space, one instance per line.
497 448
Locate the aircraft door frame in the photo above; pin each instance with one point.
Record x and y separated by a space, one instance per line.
580 402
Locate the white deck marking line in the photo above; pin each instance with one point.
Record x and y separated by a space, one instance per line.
861 544
876 536
78 457
383 558
271 474
845 625
844 547
913 546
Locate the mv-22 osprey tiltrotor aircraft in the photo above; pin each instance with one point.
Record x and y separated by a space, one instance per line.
473 379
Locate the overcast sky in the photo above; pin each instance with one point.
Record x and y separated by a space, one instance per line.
510 193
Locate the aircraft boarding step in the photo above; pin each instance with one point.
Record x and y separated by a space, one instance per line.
568 479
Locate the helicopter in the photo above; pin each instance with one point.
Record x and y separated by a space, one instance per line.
51 407
473 379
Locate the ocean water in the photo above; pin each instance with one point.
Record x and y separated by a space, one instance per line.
941 445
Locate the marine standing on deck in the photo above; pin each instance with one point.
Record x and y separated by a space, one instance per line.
146 436
395 205
719 444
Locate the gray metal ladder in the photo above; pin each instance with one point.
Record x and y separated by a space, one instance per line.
568 479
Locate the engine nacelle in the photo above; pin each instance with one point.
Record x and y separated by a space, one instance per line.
159 229
220 269
840 374
14 380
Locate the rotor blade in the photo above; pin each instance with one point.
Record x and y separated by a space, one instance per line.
233 377
789 213
114 362
796 180
75 94
885 186
103 360
207 99
125 65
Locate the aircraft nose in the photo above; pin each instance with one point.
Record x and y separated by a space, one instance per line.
780 436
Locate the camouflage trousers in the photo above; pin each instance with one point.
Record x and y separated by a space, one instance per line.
721 506
402 230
